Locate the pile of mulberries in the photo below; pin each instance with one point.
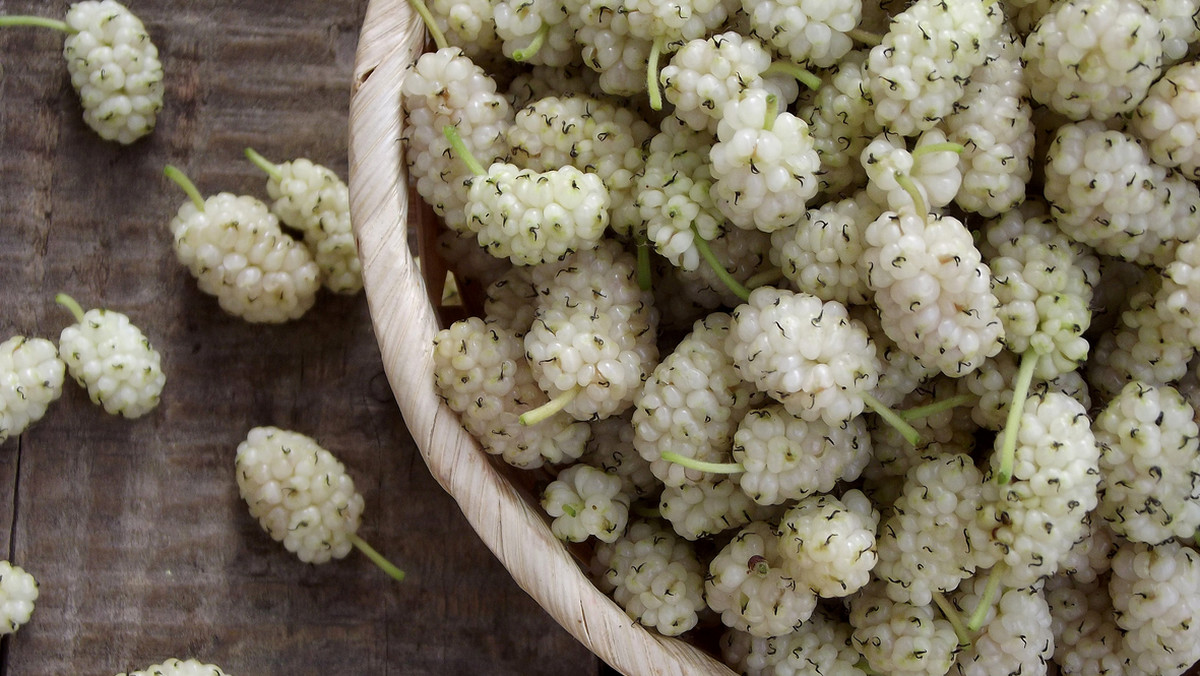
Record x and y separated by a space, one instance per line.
881 356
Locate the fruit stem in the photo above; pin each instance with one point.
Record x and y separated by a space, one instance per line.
772 112
462 151
890 417
652 74
645 275
184 182
71 304
942 147
865 37
1012 424
387 566
706 252
533 47
954 618
269 167
537 415
985 601
914 192
770 275
35 21
439 38
646 511
797 73
918 412
703 465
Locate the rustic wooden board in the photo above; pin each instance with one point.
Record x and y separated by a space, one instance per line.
134 529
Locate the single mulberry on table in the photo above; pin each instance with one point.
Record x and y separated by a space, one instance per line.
110 356
18 591
178 667
302 496
31 378
114 67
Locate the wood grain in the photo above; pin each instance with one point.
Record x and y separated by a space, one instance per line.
134 529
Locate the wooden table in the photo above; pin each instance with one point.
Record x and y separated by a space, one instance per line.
134 528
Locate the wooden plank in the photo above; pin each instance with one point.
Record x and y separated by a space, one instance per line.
134 529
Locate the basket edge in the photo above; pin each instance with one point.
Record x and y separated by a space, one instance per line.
391 38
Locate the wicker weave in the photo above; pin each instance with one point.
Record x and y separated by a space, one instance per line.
505 517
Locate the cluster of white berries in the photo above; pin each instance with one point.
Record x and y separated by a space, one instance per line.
239 252
883 350
101 349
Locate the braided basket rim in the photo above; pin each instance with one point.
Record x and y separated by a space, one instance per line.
383 209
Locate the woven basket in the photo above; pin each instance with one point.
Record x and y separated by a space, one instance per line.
504 514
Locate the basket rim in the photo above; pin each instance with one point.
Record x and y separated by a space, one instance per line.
391 38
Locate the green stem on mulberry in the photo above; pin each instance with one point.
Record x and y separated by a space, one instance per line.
954 618
771 275
892 418
269 168
464 153
71 304
646 511
172 172
549 408
36 22
533 47
914 192
865 37
645 274
988 598
793 71
709 257
1012 424
652 74
942 147
703 465
422 10
377 558
918 412
772 112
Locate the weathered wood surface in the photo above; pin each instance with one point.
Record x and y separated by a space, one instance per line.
134 529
